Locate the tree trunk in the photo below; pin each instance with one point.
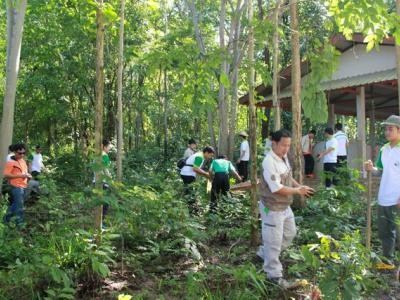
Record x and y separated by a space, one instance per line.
253 132
15 24
234 80
296 89
99 109
210 121
165 115
398 58
222 105
120 134
275 66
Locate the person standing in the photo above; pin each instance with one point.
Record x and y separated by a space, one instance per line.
243 161
307 144
16 171
388 166
10 152
191 149
277 187
36 161
219 172
268 145
106 172
329 156
191 169
343 144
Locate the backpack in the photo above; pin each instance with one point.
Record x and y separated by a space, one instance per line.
182 163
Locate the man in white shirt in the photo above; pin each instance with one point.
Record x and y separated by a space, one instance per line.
307 147
388 165
329 156
277 187
268 145
343 144
191 149
243 161
10 152
192 168
36 161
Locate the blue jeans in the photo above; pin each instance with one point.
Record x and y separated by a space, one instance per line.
16 208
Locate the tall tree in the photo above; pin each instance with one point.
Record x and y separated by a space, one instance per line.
120 136
99 107
15 24
222 95
275 66
253 129
236 62
296 89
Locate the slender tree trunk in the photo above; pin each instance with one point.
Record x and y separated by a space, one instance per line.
210 121
296 89
120 135
275 64
203 51
15 24
165 115
222 105
253 131
99 108
398 58
234 79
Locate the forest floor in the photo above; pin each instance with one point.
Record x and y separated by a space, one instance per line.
153 249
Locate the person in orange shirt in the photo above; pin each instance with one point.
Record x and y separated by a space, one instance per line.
16 171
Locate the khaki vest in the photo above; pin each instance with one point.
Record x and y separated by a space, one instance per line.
276 202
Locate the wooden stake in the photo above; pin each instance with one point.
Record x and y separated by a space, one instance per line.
369 215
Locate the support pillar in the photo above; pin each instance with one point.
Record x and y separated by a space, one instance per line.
331 115
361 135
372 134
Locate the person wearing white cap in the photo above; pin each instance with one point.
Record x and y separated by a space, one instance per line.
243 161
388 165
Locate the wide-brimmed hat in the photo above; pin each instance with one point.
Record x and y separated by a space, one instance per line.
243 133
393 120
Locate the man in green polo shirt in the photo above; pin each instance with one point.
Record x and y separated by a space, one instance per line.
219 172
388 165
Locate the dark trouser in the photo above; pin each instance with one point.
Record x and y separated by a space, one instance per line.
342 161
330 174
220 186
388 230
243 169
16 207
308 164
106 206
189 192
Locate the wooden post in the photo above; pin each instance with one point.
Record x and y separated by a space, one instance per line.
369 215
372 134
331 115
361 126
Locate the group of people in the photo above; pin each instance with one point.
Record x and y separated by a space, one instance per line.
22 178
218 172
277 186
333 157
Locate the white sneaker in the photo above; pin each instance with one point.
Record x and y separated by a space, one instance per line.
283 283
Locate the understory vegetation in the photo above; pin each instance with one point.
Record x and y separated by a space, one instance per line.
153 249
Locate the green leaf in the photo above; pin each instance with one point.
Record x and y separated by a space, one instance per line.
225 80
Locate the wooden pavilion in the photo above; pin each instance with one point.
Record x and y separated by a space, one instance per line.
364 85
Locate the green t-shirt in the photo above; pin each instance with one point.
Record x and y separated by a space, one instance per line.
221 166
106 160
